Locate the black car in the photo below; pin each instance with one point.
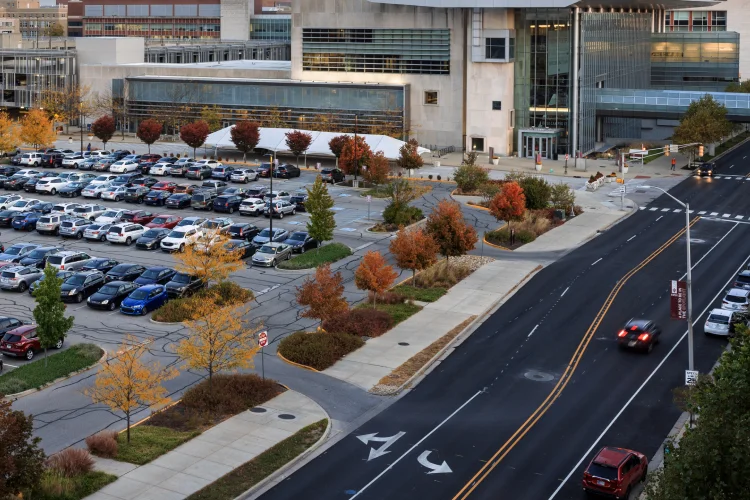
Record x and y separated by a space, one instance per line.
38 256
264 170
199 172
124 272
136 194
111 295
157 198
707 169
81 285
183 285
151 239
286 171
63 275
243 230
6 217
30 185
301 242
102 264
42 207
8 323
180 200
48 159
236 191
299 199
242 247
227 203
157 275
15 182
641 334
145 181
332 175
126 179
73 189
8 170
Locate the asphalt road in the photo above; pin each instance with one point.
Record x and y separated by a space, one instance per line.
518 409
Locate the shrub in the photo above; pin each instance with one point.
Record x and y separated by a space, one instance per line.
318 350
229 293
230 394
470 177
401 215
438 177
103 444
178 310
488 190
442 275
537 192
502 236
55 485
429 176
386 298
360 322
562 196
71 462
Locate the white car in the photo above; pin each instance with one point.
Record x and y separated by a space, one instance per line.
114 193
244 175
22 204
90 211
30 159
123 167
160 169
65 208
103 179
110 217
95 190
28 172
180 237
252 206
737 299
125 232
51 185
8 200
211 163
97 154
721 322
72 160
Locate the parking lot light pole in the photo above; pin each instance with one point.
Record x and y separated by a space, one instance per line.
691 364
270 201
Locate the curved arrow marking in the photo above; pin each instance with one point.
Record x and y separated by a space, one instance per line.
434 468
387 442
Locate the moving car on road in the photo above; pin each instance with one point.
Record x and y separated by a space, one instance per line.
708 169
111 295
144 299
614 472
641 334
271 254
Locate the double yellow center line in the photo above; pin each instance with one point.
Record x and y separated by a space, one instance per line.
567 375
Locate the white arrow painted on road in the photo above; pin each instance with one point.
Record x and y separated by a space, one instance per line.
434 468
387 442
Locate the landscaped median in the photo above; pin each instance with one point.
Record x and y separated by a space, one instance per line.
184 309
37 374
317 257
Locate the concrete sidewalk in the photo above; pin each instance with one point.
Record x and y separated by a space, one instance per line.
478 294
204 459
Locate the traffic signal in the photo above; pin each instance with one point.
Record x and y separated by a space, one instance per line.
666 150
700 151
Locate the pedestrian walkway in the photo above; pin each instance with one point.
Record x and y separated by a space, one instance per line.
204 459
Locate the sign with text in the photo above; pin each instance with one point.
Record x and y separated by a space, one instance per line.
678 299
691 377
263 339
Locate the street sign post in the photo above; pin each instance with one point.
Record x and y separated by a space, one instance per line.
678 300
369 200
262 342
691 377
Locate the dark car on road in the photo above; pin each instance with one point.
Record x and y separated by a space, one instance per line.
73 189
111 295
641 334
199 172
138 217
332 175
124 272
81 285
287 171
151 239
243 230
183 285
156 275
301 242
707 169
157 198
180 200
203 200
38 256
136 194
227 203
101 264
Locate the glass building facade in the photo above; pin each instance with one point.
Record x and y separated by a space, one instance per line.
271 27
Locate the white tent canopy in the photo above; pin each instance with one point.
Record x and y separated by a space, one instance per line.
274 139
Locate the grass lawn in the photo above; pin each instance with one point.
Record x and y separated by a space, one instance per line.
421 294
316 257
59 364
399 312
251 473
61 488
376 193
148 442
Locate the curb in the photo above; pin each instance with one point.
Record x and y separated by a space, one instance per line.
730 149
478 207
70 375
284 468
484 238
163 322
298 365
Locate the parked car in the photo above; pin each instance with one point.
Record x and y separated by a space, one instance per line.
180 200
81 285
257 192
16 182
164 221
743 280
216 187
63 275
123 166
252 206
243 231
44 208
223 173
50 185
640 334
34 159
88 163
30 185
164 186
299 199
110 216
22 205
199 172
96 232
280 209
144 181
615 472
183 285
23 342
722 322
228 204
6 217
243 247
332 175
151 239
162 167
203 200
103 164
125 232
136 194
73 189
301 241
126 180
211 163
264 170
16 252
179 238
38 256
145 161
158 275
271 254
68 260
18 278
49 224
74 228
103 179
144 299
48 159
101 264
736 299
265 236
26 221
218 225
157 198
96 190
72 160
277 196
111 295
8 323
89 211
287 171
7 200
138 216
192 221
65 208
244 175
124 272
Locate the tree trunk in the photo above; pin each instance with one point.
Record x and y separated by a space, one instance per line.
127 419
45 356
414 277
244 156
297 161
149 149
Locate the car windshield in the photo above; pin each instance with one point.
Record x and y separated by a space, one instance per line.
55 260
603 471
181 278
76 280
109 213
152 233
743 279
151 273
75 184
67 223
13 251
159 220
735 299
212 224
267 249
179 196
717 318
298 236
82 210
177 234
109 289
38 254
121 269
265 233
139 294
9 337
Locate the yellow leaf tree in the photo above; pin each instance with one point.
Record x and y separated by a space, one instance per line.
10 136
127 383
37 130
219 339
209 259
68 103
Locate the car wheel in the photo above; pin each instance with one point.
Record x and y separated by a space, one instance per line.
57 231
117 199
59 344
112 306
79 235
644 476
231 210
79 298
182 248
245 181
75 165
281 215
29 354
273 263
294 211
22 287
98 196
128 241
289 256
53 192
144 311
103 238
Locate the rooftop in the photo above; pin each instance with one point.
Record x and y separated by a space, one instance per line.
241 64
525 4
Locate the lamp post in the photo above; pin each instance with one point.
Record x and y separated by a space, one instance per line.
689 275
356 160
270 201
80 122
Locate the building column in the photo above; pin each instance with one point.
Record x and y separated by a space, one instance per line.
573 147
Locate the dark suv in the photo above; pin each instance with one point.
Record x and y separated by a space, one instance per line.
287 171
136 194
203 200
182 285
48 159
199 172
332 175
227 203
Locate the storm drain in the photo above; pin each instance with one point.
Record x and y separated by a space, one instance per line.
538 376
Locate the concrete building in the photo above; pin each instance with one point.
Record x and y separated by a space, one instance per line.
33 20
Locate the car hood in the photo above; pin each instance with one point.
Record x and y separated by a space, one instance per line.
261 239
66 287
6 257
148 239
98 296
27 261
144 281
264 257
294 243
128 302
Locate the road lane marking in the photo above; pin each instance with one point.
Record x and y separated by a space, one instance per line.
651 375
12 366
537 326
714 214
596 261
653 209
565 378
642 208
739 217
659 218
731 166
630 238
702 212
713 247
438 426
566 291
726 215
665 209
677 210
364 246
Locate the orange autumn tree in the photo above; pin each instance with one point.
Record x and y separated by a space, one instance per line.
37 130
509 204
220 339
127 383
414 249
447 227
374 274
323 294
354 154
209 259
377 169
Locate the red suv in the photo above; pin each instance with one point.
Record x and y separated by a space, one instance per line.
23 342
614 472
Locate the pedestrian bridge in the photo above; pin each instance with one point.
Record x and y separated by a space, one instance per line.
669 104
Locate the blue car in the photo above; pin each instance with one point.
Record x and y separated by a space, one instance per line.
26 221
146 298
158 275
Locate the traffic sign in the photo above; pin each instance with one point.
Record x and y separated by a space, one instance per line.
369 198
691 377
674 148
263 339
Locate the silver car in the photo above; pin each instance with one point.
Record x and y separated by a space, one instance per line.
68 260
280 208
8 200
19 277
265 236
89 212
244 175
74 228
737 299
271 254
95 190
96 232
721 322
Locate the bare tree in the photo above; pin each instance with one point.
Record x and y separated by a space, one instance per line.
107 103
180 102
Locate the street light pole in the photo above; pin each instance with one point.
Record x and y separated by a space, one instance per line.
80 122
270 201
689 276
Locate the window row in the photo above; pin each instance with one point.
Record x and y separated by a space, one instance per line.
372 63
696 20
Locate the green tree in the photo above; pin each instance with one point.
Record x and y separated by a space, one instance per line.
49 313
319 204
711 460
739 87
704 122
212 116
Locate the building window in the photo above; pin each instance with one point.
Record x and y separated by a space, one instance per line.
700 21
497 105
494 48
477 143
681 21
719 21
431 97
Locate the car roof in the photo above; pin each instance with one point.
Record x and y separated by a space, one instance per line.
67 253
611 456
89 272
14 269
640 323
22 329
150 287
721 312
157 268
745 273
738 292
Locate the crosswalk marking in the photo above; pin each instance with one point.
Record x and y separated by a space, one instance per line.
677 210
642 208
714 214
726 215
665 210
739 217
702 212
653 209
729 216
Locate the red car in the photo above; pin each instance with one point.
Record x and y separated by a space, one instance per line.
138 217
23 342
186 188
164 186
164 221
614 472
